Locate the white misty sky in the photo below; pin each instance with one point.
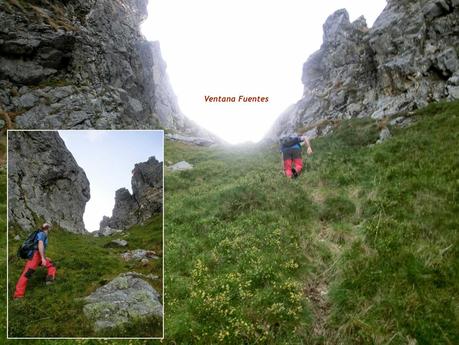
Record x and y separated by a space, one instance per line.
108 157
237 47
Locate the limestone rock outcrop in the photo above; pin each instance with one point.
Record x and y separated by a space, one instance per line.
406 60
44 182
146 198
78 64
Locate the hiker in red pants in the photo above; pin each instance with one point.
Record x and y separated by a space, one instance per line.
291 154
36 258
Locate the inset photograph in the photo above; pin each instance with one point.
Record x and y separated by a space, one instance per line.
85 234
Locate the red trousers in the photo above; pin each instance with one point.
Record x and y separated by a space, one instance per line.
297 165
29 268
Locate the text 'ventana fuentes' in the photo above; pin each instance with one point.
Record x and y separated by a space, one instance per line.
240 99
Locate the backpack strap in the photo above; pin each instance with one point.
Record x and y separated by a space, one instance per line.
36 235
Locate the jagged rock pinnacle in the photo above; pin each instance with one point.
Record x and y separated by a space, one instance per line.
406 60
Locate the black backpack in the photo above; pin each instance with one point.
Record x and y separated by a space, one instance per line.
288 141
28 245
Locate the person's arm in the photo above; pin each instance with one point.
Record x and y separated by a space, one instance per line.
306 140
41 250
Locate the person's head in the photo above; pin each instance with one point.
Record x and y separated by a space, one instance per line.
46 227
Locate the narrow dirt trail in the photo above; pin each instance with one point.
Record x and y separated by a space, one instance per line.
317 295
316 289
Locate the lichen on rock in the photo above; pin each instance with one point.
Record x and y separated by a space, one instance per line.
124 299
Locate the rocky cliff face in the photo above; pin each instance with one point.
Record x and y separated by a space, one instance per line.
45 182
146 198
406 60
82 64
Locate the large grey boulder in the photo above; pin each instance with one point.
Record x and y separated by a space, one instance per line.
146 198
406 60
126 298
44 181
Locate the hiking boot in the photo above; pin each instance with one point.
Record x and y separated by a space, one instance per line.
49 280
294 173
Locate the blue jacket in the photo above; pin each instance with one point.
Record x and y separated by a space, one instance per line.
41 236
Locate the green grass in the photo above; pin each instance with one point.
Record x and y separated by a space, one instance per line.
406 287
84 263
375 224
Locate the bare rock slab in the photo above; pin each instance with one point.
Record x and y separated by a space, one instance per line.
180 166
106 231
118 243
125 299
139 255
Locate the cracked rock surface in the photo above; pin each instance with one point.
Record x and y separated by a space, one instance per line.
124 299
145 201
408 59
80 64
45 181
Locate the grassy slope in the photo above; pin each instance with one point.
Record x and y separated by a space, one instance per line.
372 226
83 265
362 249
